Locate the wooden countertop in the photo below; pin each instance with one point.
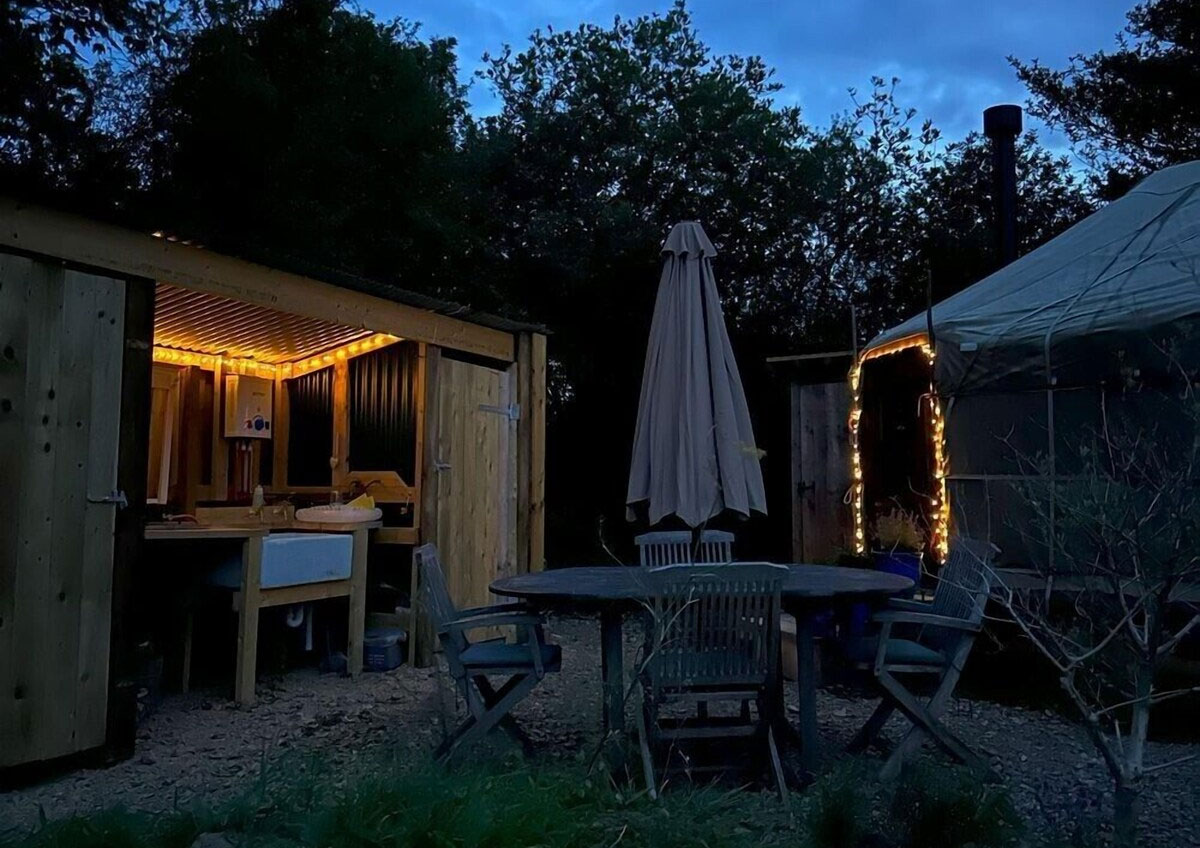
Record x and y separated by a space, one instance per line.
179 530
161 530
333 526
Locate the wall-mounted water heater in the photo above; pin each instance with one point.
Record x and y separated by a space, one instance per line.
247 407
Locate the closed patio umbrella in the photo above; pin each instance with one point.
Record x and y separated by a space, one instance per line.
693 448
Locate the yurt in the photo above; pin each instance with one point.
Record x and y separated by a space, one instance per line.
954 409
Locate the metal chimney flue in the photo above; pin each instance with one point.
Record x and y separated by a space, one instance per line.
1002 124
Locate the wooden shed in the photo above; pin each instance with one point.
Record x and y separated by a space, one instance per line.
818 408
120 356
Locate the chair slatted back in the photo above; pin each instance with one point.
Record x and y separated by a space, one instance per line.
963 585
715 627
436 595
675 547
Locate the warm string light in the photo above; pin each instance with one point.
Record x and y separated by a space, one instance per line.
856 485
229 364
244 365
939 517
324 360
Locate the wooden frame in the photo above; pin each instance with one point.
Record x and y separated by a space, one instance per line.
252 597
87 242
165 378
525 663
950 624
57 243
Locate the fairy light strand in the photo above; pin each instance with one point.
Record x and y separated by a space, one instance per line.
939 503
252 367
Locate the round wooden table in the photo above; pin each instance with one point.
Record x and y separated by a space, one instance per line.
611 591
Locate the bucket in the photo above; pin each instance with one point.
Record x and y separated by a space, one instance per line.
903 563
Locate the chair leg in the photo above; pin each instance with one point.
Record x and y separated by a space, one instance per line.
866 735
644 745
508 724
507 697
925 722
777 768
442 752
189 626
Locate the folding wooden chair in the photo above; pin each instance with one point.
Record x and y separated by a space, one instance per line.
713 635
677 547
948 627
471 663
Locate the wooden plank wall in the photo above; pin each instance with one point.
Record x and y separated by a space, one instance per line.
61 335
474 494
822 524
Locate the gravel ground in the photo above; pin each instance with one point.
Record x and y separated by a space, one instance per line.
200 746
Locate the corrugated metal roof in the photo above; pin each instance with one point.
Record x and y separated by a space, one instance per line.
385 290
206 323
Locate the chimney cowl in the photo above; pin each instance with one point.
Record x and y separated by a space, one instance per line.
1003 121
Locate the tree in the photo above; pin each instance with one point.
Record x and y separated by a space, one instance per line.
606 137
1124 531
49 54
1133 110
309 132
953 212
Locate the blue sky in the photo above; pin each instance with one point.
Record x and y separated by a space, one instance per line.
949 54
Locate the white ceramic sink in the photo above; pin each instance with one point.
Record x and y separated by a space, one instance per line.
338 514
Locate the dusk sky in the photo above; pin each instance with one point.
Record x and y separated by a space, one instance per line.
949 54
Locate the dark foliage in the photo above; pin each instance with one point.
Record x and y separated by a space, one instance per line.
307 133
1132 110
56 59
310 131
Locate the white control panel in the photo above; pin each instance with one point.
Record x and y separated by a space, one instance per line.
247 407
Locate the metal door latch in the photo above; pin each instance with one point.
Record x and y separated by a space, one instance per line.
115 497
512 412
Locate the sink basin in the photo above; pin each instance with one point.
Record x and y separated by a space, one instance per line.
337 514
292 559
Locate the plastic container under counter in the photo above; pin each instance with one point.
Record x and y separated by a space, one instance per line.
293 559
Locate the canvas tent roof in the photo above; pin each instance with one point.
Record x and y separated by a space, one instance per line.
1117 282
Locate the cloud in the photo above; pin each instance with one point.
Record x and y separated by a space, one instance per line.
949 54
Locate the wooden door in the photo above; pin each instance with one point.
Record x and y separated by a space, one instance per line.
822 524
472 468
60 401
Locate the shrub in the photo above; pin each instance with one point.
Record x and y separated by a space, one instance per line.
837 813
940 807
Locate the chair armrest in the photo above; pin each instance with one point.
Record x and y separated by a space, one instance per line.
909 606
904 617
491 619
515 606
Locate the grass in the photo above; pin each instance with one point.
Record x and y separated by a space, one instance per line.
930 807
387 803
